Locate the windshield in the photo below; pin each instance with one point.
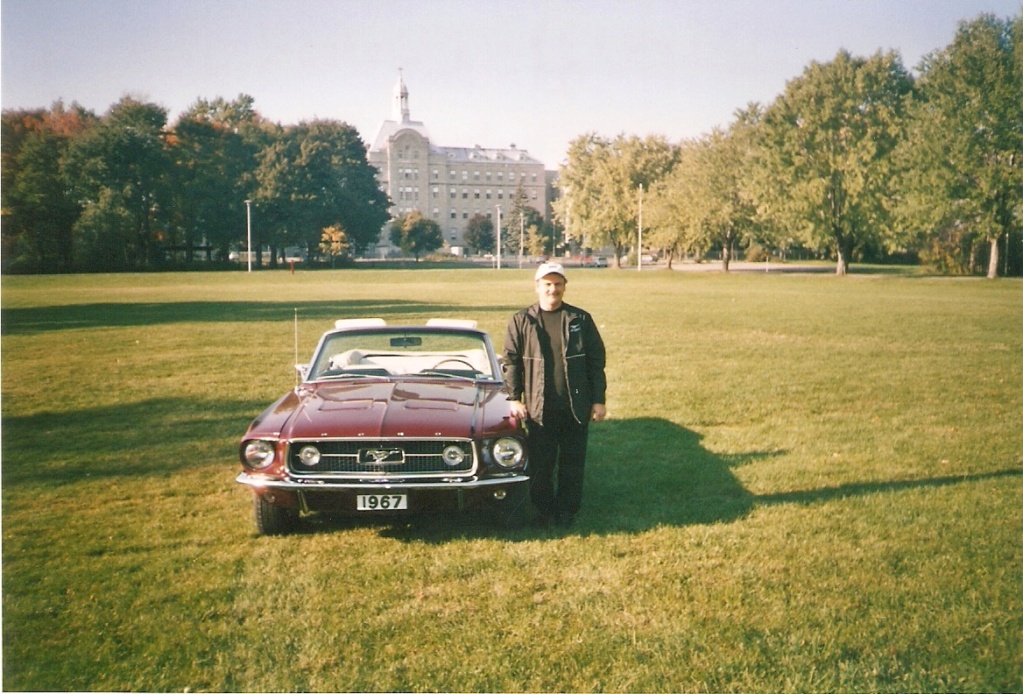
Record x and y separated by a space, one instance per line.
407 352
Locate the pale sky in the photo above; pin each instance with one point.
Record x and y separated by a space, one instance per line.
536 73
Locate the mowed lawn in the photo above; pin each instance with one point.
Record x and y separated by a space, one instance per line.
807 483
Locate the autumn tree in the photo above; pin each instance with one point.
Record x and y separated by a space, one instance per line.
415 235
827 145
334 243
40 210
962 160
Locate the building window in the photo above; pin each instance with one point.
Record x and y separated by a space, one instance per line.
534 177
435 174
500 195
476 194
476 175
465 175
465 214
500 176
488 195
436 192
454 215
465 193
511 177
453 194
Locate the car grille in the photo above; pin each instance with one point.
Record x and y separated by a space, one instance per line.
369 458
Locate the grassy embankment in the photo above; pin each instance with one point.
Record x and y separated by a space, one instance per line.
808 483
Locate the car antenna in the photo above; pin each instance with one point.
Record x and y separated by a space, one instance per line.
297 380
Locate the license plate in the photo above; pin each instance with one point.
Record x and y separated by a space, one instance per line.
381 502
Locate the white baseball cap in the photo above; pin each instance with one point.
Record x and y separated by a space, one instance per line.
549 269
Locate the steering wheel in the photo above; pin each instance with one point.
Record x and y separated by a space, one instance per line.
456 360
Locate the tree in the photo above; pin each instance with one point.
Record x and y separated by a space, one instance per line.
118 170
334 243
314 175
962 160
479 234
828 140
214 146
39 210
416 234
705 201
600 187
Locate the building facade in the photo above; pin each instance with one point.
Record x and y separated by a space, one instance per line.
449 185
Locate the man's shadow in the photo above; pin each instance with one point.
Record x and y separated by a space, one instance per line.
646 472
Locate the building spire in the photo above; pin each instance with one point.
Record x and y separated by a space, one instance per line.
399 109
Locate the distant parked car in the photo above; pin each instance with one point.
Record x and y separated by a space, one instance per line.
600 262
389 420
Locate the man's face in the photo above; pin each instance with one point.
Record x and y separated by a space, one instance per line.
549 290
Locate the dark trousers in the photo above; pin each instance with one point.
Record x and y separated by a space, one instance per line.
557 448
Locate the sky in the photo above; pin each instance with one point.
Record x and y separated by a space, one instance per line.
533 73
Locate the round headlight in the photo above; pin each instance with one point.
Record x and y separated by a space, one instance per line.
259 454
508 452
309 455
453 456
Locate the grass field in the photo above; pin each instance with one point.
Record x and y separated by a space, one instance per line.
807 483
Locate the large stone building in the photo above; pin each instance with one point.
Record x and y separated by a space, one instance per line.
449 185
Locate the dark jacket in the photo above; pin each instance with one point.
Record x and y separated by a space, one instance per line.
584 361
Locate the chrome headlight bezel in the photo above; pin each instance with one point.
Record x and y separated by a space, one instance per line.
259 453
507 452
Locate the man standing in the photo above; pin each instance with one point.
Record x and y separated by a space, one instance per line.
554 376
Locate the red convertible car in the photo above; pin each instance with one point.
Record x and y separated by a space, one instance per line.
389 420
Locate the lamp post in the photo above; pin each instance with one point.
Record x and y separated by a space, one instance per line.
639 250
248 224
522 237
498 236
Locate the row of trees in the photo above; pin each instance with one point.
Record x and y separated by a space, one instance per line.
856 159
127 191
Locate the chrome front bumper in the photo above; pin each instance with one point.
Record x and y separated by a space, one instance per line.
374 485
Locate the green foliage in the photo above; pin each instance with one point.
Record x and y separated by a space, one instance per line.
479 234
118 170
416 235
314 175
600 184
804 485
962 175
827 145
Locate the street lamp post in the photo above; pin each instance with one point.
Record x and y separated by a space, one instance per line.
498 236
248 224
639 251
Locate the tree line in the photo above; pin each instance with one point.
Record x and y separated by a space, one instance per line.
857 159
127 191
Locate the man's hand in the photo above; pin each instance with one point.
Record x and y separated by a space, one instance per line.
518 410
598 412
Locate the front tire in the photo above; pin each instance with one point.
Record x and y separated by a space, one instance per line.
273 520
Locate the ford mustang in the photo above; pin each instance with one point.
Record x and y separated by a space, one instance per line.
389 420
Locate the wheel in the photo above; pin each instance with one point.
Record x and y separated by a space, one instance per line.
273 520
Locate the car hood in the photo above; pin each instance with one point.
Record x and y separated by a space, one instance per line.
386 409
